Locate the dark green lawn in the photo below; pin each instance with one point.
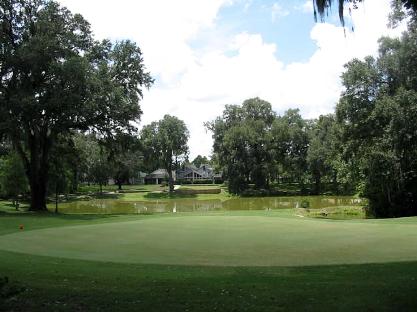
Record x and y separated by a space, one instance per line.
59 284
71 285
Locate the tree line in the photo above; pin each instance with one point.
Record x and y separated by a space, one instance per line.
69 106
367 146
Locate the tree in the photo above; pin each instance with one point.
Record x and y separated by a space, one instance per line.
377 113
165 141
13 181
322 152
56 79
100 171
95 164
200 160
290 144
322 7
241 143
125 157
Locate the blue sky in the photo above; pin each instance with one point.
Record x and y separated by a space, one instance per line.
289 28
208 53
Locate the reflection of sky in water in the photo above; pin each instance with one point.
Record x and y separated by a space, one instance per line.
189 205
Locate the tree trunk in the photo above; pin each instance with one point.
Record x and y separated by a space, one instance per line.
317 186
56 197
37 168
37 194
170 179
75 178
119 185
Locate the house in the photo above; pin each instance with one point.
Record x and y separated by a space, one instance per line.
158 176
191 173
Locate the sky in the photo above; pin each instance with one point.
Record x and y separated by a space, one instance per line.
205 54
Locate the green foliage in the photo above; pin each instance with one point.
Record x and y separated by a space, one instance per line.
241 140
125 157
377 113
323 150
55 78
13 180
200 160
163 143
290 144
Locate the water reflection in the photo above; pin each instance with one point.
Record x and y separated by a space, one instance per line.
108 206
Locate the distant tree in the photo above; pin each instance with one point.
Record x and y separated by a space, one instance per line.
56 79
125 157
163 142
64 168
241 143
149 145
200 160
13 180
290 144
100 171
322 152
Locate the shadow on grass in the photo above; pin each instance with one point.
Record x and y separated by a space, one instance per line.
52 215
117 286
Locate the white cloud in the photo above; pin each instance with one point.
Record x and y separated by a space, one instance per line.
195 84
306 7
161 28
277 11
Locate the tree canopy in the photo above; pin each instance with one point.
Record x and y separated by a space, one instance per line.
55 78
164 142
377 112
322 7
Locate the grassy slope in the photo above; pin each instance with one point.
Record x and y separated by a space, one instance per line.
71 285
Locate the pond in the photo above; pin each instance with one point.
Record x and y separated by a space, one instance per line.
118 206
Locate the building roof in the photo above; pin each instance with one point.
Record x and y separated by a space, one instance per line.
158 174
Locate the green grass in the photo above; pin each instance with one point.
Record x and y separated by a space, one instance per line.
223 240
93 188
200 186
165 195
339 212
227 261
153 192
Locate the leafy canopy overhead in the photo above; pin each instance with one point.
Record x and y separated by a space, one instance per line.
322 7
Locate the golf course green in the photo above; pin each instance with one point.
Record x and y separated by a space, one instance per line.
219 240
224 261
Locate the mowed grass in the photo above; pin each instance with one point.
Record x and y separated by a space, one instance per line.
223 240
229 261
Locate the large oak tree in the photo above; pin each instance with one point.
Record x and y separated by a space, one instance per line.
56 79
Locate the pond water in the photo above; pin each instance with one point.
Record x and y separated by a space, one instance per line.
117 206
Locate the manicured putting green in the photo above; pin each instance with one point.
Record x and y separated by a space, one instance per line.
224 241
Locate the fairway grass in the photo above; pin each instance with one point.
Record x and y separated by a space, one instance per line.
226 261
223 241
